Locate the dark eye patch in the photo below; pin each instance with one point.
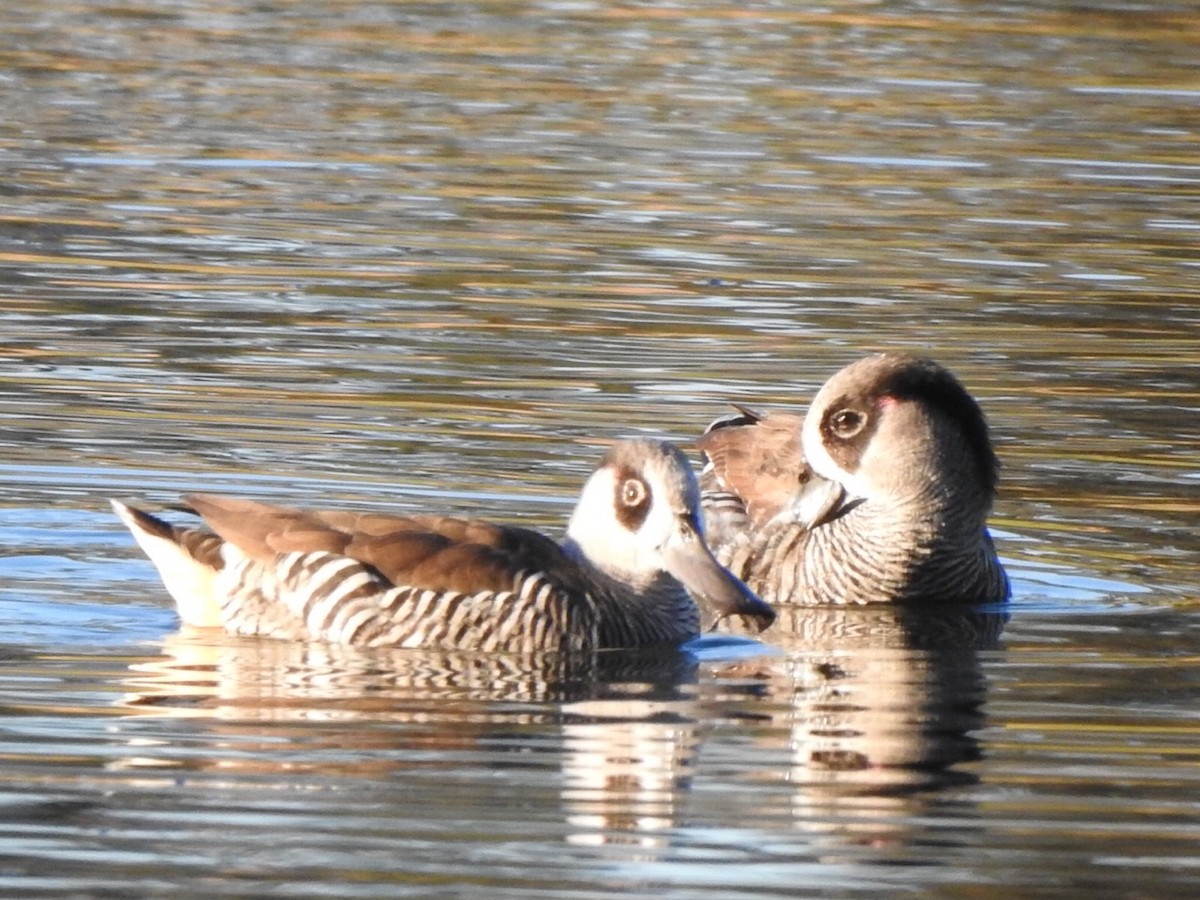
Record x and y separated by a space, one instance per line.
845 430
632 500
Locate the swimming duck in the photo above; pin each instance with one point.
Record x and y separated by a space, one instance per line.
879 494
634 550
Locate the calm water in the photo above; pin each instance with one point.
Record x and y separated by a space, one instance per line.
434 256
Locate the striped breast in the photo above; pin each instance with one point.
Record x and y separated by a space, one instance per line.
856 560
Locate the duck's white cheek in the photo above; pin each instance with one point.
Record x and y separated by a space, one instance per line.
822 463
817 456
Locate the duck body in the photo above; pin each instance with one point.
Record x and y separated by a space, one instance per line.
880 493
451 583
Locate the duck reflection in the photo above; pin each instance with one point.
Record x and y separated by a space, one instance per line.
852 726
204 673
629 757
880 707
619 727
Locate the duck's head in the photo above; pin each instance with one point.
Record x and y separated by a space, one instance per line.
894 430
639 517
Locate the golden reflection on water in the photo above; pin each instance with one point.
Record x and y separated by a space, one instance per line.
871 712
627 747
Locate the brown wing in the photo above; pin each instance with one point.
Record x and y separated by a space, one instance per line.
435 552
760 461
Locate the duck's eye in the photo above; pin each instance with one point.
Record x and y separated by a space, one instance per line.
847 422
633 492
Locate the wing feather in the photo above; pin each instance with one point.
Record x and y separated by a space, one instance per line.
441 553
759 460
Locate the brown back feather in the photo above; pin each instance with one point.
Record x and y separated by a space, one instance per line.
435 552
761 462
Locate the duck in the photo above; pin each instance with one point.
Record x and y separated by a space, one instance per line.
633 570
879 493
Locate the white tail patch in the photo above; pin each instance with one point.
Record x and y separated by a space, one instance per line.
189 582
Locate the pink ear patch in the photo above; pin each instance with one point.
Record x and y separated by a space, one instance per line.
887 401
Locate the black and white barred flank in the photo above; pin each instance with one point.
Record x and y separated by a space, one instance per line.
322 596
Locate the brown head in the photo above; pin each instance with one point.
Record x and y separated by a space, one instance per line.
895 429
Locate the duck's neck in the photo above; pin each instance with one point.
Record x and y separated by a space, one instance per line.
636 611
928 547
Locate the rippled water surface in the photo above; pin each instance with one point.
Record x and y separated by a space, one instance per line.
435 256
